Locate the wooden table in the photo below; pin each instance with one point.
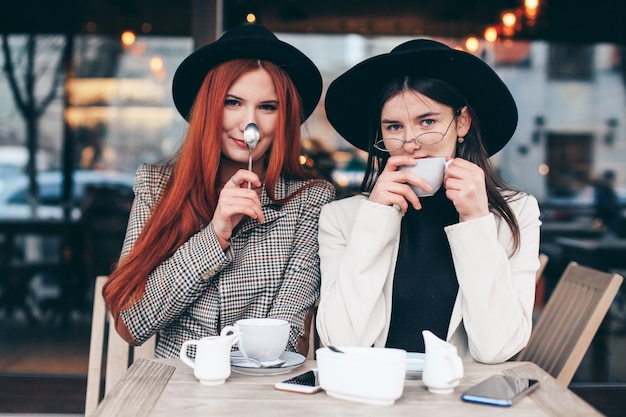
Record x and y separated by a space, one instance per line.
167 387
604 253
550 230
65 262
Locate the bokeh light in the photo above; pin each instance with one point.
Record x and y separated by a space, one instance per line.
128 37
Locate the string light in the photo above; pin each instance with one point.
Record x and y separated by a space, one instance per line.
530 8
471 43
509 19
491 34
509 23
128 37
91 27
503 32
156 64
531 4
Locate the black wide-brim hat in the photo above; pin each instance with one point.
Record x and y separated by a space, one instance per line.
349 97
247 41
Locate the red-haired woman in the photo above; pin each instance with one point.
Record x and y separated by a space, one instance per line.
209 242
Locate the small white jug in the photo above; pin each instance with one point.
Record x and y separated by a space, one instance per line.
212 363
443 367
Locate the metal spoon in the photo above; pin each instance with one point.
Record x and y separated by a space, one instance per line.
334 349
272 364
251 135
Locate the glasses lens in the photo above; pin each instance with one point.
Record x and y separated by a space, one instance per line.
389 144
393 144
380 145
430 138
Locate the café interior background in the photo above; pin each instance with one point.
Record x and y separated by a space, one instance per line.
117 104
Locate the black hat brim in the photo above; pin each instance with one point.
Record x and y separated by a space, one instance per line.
247 41
349 97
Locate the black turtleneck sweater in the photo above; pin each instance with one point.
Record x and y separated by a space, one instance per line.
425 284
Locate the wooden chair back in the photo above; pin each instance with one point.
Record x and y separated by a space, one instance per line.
109 355
314 337
543 261
570 320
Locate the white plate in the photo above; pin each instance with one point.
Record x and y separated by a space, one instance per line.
293 360
414 365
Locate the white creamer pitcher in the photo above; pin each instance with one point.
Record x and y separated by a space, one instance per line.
212 363
443 367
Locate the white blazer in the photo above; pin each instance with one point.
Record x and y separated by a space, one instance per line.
492 316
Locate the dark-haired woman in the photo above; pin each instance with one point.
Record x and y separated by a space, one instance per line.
461 262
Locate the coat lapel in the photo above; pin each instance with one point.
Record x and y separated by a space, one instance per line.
271 210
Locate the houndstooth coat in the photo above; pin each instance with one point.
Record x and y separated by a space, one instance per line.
269 270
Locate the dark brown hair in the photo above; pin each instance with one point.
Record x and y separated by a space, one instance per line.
472 148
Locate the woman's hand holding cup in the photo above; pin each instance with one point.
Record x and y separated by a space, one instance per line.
393 186
430 169
466 188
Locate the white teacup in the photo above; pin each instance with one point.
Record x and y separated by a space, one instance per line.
432 170
212 362
261 339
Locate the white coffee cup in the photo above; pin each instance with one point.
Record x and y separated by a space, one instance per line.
432 170
261 339
212 362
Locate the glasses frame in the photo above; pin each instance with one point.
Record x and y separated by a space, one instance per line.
380 144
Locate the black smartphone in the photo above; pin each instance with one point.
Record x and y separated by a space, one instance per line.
306 383
500 390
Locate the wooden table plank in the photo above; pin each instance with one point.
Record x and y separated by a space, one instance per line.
553 398
136 393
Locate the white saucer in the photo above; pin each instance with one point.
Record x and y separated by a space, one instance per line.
292 361
414 365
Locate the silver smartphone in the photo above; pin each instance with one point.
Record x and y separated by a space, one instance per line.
500 390
306 383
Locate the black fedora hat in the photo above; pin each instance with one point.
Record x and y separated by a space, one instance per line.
349 97
247 41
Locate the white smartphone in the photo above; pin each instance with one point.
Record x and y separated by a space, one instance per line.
500 390
306 383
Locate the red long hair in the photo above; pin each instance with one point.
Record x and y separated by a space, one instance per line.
190 198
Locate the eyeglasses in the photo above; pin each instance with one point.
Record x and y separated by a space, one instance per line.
425 139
